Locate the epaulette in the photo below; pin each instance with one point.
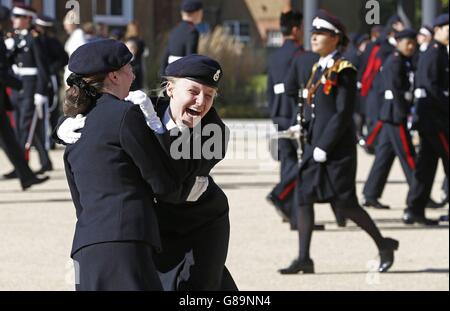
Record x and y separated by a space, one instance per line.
344 64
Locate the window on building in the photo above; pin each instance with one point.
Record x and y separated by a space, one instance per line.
274 38
113 12
238 29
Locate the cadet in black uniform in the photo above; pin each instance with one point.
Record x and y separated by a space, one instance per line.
195 235
432 110
57 60
183 39
284 109
394 139
31 66
369 78
11 147
114 173
328 170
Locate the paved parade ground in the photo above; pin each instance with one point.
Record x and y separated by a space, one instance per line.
36 230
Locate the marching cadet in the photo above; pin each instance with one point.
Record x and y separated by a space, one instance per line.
394 139
114 173
31 66
11 147
183 39
284 109
57 60
328 170
432 110
369 78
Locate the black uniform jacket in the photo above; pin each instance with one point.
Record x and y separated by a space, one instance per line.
6 77
398 80
189 217
283 109
114 172
331 129
432 76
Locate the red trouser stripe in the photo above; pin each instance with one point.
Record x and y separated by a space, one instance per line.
288 190
403 137
444 141
374 134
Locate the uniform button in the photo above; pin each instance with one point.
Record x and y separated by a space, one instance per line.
155 200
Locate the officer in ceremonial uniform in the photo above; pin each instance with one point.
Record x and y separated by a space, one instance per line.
57 60
115 174
31 66
328 170
432 108
183 39
284 109
11 147
394 139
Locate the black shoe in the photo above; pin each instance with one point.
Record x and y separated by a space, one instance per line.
45 169
12 175
375 204
305 266
410 219
33 182
387 254
272 199
444 218
435 205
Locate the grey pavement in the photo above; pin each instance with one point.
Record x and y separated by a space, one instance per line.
36 230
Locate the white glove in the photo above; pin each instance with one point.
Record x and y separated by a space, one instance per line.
295 129
39 102
146 105
200 186
320 156
67 131
10 43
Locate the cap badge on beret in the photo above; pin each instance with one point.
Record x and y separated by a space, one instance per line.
217 75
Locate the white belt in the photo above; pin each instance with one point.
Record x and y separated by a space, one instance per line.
420 93
24 71
279 88
173 58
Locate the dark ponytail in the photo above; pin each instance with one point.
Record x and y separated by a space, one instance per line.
82 93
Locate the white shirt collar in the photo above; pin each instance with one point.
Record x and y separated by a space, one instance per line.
167 120
327 61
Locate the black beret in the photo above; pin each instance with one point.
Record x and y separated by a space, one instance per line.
324 21
441 20
45 21
361 39
101 56
406 34
5 13
191 5
198 68
394 19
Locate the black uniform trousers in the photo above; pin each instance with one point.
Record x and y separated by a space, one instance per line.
116 266
12 149
394 141
24 110
433 146
284 190
202 249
